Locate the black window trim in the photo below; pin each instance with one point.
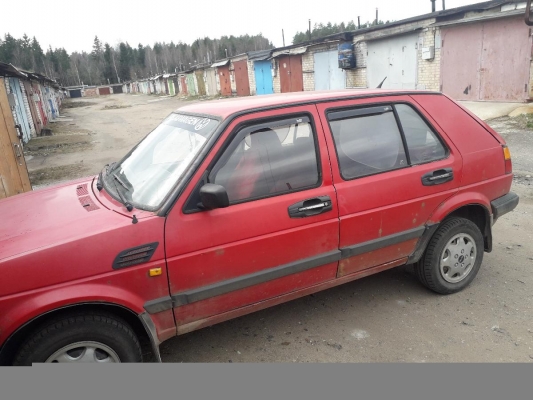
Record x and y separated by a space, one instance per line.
351 112
430 126
239 132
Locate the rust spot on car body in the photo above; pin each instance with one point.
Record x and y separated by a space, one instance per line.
373 258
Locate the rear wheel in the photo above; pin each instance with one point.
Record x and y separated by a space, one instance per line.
98 337
453 257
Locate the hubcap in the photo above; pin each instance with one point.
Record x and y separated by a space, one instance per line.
458 258
84 352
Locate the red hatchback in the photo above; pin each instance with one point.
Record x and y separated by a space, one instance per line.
232 206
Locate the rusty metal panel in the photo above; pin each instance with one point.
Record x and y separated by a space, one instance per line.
201 82
183 81
291 73
241 78
297 77
505 60
225 82
285 74
104 91
461 60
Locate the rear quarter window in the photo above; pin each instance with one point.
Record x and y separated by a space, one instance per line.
463 130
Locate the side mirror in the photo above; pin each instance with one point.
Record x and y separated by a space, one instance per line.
213 196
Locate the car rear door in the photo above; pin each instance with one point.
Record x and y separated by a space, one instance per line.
392 167
280 233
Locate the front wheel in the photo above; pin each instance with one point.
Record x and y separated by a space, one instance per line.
81 338
453 257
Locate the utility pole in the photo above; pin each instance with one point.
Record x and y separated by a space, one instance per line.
377 16
358 22
115 65
283 36
444 4
432 5
309 28
77 72
226 52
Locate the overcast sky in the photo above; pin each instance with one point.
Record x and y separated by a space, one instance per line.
72 24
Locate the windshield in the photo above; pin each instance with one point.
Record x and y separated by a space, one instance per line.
150 171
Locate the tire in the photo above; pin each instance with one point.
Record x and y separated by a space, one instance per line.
88 337
443 268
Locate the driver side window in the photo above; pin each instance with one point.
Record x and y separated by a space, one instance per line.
268 160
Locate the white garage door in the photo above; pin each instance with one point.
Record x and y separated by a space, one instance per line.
394 58
328 75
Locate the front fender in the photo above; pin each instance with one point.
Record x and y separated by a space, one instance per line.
19 309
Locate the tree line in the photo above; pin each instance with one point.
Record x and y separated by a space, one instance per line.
107 64
321 30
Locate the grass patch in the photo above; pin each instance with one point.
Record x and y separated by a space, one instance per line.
115 107
524 121
75 104
50 175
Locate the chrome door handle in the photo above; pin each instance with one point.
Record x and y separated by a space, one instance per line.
311 207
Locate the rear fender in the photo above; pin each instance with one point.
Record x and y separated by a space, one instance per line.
461 200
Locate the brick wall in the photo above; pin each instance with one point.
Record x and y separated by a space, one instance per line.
251 78
356 78
308 70
428 76
275 79
90 92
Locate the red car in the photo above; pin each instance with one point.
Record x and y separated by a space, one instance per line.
233 206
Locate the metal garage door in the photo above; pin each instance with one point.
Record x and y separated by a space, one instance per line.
493 64
291 75
394 58
328 75
263 77
242 81
74 93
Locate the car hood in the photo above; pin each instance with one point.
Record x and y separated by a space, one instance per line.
50 216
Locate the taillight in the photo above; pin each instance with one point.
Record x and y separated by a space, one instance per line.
507 158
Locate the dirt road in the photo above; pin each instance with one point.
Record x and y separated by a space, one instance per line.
387 317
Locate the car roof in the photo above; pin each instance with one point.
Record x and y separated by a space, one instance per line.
225 107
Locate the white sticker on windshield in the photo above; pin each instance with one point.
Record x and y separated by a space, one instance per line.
201 124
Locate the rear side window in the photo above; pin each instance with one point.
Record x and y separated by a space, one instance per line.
368 141
422 143
378 139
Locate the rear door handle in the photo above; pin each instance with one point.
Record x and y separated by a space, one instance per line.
311 207
437 177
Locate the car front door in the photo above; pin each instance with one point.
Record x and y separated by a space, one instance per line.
392 167
280 233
